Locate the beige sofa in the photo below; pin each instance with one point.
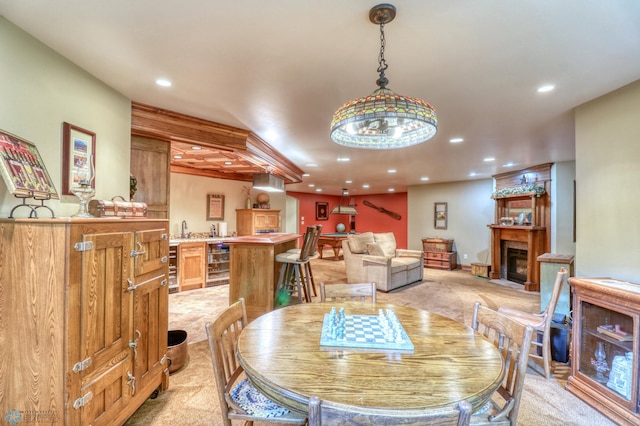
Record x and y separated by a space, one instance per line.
373 257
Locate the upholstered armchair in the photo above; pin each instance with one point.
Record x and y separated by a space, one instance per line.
373 257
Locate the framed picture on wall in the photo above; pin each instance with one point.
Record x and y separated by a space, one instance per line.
78 157
215 207
322 210
440 215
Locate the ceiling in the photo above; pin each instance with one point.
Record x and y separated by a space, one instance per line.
281 68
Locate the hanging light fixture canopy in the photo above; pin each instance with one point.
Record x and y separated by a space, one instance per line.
343 208
268 182
383 120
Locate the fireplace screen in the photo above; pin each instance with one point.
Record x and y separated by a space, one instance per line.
517 265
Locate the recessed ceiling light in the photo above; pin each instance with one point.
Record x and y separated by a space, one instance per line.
318 189
311 165
312 185
366 185
348 181
424 178
391 189
472 174
306 175
391 171
509 164
177 157
546 88
343 159
163 82
487 159
196 147
456 140
228 163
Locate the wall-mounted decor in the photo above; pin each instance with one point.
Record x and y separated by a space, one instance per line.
23 170
78 158
322 210
440 215
215 207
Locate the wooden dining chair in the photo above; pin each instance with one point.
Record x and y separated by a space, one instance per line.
238 398
541 322
513 340
348 292
327 414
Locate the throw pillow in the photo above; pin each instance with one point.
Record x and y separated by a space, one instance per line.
374 249
388 243
358 242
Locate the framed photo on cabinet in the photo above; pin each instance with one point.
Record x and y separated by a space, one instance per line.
440 215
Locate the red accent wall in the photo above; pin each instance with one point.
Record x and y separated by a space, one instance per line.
367 219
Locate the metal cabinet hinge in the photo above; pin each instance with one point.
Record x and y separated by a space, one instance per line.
132 382
136 253
163 359
83 400
164 237
164 259
132 286
163 283
83 246
82 365
134 344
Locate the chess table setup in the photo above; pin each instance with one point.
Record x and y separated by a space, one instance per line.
382 331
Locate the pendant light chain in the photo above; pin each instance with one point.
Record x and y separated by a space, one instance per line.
382 64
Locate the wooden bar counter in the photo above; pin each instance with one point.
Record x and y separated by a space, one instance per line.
254 271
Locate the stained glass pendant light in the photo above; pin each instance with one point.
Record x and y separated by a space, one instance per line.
383 120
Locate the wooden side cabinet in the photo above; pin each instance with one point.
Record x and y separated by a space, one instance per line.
256 221
604 368
85 316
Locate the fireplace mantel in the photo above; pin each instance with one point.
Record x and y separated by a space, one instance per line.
534 236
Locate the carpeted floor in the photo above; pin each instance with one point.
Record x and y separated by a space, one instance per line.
192 399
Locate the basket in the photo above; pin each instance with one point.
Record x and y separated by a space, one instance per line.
480 270
437 244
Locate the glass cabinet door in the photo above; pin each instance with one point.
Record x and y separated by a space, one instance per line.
606 348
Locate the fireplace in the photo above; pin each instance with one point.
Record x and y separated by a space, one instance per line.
517 265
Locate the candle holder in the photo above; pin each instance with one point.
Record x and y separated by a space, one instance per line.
84 191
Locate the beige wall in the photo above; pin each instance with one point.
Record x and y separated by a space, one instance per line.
41 90
470 209
607 177
189 201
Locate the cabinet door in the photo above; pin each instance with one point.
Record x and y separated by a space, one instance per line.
191 265
104 328
150 313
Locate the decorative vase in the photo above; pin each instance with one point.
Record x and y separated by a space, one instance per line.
248 203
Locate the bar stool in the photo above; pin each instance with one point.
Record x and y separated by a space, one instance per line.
291 273
314 255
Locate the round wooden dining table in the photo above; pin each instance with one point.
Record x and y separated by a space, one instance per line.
281 354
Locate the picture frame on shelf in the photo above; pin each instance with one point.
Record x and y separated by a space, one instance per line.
23 170
440 215
322 210
78 157
215 207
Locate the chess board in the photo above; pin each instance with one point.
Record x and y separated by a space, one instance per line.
362 331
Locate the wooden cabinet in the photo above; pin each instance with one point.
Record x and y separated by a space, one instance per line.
150 165
191 265
257 221
441 259
84 306
604 367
